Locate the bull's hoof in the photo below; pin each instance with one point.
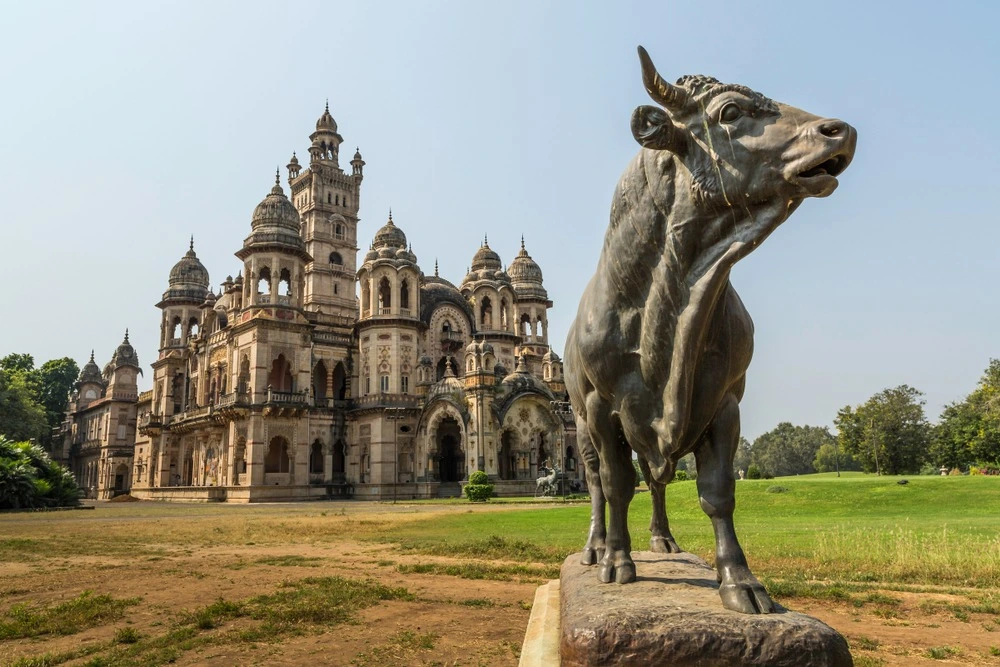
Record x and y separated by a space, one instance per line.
617 567
746 598
664 545
591 555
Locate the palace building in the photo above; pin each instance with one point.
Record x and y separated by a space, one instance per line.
310 376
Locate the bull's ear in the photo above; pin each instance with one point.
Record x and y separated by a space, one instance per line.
652 128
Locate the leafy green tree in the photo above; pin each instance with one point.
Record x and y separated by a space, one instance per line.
21 417
789 449
969 430
54 381
829 458
888 433
741 461
24 390
18 363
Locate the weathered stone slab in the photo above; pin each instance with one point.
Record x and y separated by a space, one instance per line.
672 615
541 639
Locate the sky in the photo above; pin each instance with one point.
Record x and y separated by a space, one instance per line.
126 127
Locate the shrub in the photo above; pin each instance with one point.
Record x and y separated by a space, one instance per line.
479 489
29 478
777 489
955 472
753 472
681 476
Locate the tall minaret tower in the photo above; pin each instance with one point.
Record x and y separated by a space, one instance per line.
328 200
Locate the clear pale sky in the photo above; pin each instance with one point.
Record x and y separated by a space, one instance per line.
126 127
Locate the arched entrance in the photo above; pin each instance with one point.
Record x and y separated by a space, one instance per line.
451 460
121 473
508 458
338 463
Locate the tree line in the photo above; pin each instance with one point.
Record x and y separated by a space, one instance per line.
888 434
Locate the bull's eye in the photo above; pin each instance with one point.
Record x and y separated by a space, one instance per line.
730 113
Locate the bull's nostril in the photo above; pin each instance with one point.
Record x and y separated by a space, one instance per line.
832 128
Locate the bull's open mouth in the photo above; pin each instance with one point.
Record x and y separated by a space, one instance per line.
831 167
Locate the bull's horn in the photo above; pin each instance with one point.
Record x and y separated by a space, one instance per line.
670 96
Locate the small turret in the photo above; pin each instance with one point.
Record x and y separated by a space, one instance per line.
358 165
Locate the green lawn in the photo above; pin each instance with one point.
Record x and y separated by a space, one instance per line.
856 528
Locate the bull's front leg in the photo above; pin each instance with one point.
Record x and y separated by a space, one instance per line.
660 541
738 587
618 484
593 550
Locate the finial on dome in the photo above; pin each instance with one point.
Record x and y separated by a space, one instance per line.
327 108
91 356
191 244
277 176
522 241
436 267
126 334
486 240
390 214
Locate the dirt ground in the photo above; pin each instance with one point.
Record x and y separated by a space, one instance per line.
465 621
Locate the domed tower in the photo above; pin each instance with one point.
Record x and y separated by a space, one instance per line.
90 385
532 308
328 201
274 254
120 373
390 314
489 290
186 290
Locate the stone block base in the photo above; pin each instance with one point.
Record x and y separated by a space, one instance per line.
672 615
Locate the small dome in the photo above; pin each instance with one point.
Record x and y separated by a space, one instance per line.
189 271
486 259
90 372
524 270
294 160
125 354
275 222
522 380
390 236
326 121
550 357
188 279
275 211
357 154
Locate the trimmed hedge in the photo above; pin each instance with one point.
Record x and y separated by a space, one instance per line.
479 489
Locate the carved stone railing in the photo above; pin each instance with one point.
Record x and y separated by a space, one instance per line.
287 397
235 398
150 420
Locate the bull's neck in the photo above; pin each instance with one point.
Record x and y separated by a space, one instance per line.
659 231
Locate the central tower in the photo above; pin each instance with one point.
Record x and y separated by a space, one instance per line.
328 200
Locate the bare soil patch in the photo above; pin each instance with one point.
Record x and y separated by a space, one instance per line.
179 560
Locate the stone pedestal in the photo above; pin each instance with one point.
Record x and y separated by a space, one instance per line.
672 615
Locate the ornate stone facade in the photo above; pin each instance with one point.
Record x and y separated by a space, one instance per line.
99 429
285 385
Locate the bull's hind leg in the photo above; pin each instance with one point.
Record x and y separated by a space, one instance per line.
660 541
593 550
739 588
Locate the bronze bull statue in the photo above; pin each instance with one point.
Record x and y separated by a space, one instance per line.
656 358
